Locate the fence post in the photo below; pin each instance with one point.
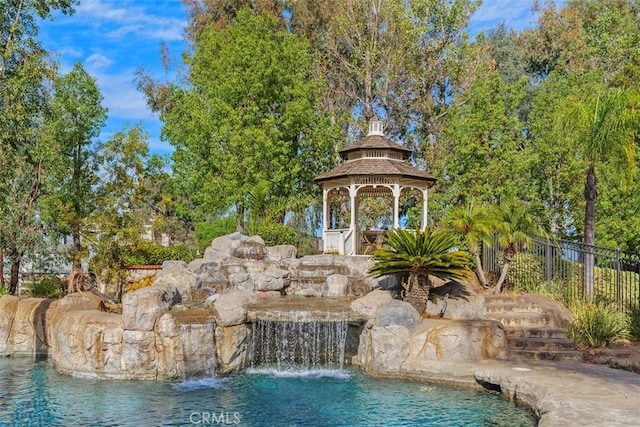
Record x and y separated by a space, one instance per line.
618 281
548 259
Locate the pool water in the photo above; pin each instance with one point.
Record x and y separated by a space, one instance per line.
33 393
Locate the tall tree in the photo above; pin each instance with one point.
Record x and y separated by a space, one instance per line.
605 122
247 116
77 117
25 75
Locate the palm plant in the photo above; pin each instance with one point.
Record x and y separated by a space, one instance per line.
421 254
604 122
516 225
476 224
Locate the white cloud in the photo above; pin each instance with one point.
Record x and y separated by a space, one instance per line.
94 63
130 19
517 14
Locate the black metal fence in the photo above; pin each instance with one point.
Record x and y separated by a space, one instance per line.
560 264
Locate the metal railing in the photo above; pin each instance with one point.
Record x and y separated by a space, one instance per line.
561 263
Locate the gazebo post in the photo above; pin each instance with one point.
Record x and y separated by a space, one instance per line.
354 210
325 213
425 210
396 205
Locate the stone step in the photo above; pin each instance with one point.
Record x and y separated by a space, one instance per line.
499 299
548 332
558 355
512 307
525 319
549 344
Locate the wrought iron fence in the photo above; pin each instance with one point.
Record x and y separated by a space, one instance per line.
561 264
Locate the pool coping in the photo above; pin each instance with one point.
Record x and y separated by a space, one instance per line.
558 393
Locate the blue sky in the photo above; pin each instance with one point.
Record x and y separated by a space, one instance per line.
112 39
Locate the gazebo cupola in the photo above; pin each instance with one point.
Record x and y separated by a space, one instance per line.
374 167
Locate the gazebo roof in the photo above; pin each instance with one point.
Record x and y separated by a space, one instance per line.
375 142
375 156
374 167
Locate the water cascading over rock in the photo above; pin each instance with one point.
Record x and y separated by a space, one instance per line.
299 340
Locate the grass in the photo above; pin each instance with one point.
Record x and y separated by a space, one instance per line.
46 288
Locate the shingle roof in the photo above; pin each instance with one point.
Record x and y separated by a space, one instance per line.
373 167
375 142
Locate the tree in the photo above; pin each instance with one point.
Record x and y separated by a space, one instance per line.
421 254
76 119
605 122
247 116
25 75
516 225
476 223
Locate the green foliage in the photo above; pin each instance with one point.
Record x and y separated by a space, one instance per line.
46 288
247 117
3 290
147 253
277 234
207 231
597 324
431 252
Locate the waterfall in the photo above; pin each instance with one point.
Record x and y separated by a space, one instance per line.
300 340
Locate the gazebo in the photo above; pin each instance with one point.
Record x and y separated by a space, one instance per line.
374 167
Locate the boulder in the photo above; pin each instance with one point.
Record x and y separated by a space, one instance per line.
173 265
389 347
279 252
139 355
241 282
455 340
397 312
317 260
185 349
182 279
224 245
251 250
337 286
468 307
87 343
27 336
141 308
368 305
230 308
8 307
232 343
272 279
79 301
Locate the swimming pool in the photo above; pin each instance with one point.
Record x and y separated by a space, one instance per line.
33 393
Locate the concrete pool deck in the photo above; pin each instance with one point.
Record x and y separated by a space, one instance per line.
559 393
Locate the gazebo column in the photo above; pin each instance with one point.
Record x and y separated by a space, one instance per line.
396 205
425 209
325 213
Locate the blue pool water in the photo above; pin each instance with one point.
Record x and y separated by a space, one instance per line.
33 393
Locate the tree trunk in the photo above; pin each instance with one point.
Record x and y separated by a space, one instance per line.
590 194
1 267
479 270
76 252
503 276
417 292
15 272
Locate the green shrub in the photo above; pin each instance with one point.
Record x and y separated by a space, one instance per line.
277 234
634 321
597 325
47 287
207 231
148 253
3 290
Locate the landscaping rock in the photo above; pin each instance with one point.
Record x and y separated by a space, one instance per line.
280 252
337 286
397 312
232 343
368 305
230 308
141 308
